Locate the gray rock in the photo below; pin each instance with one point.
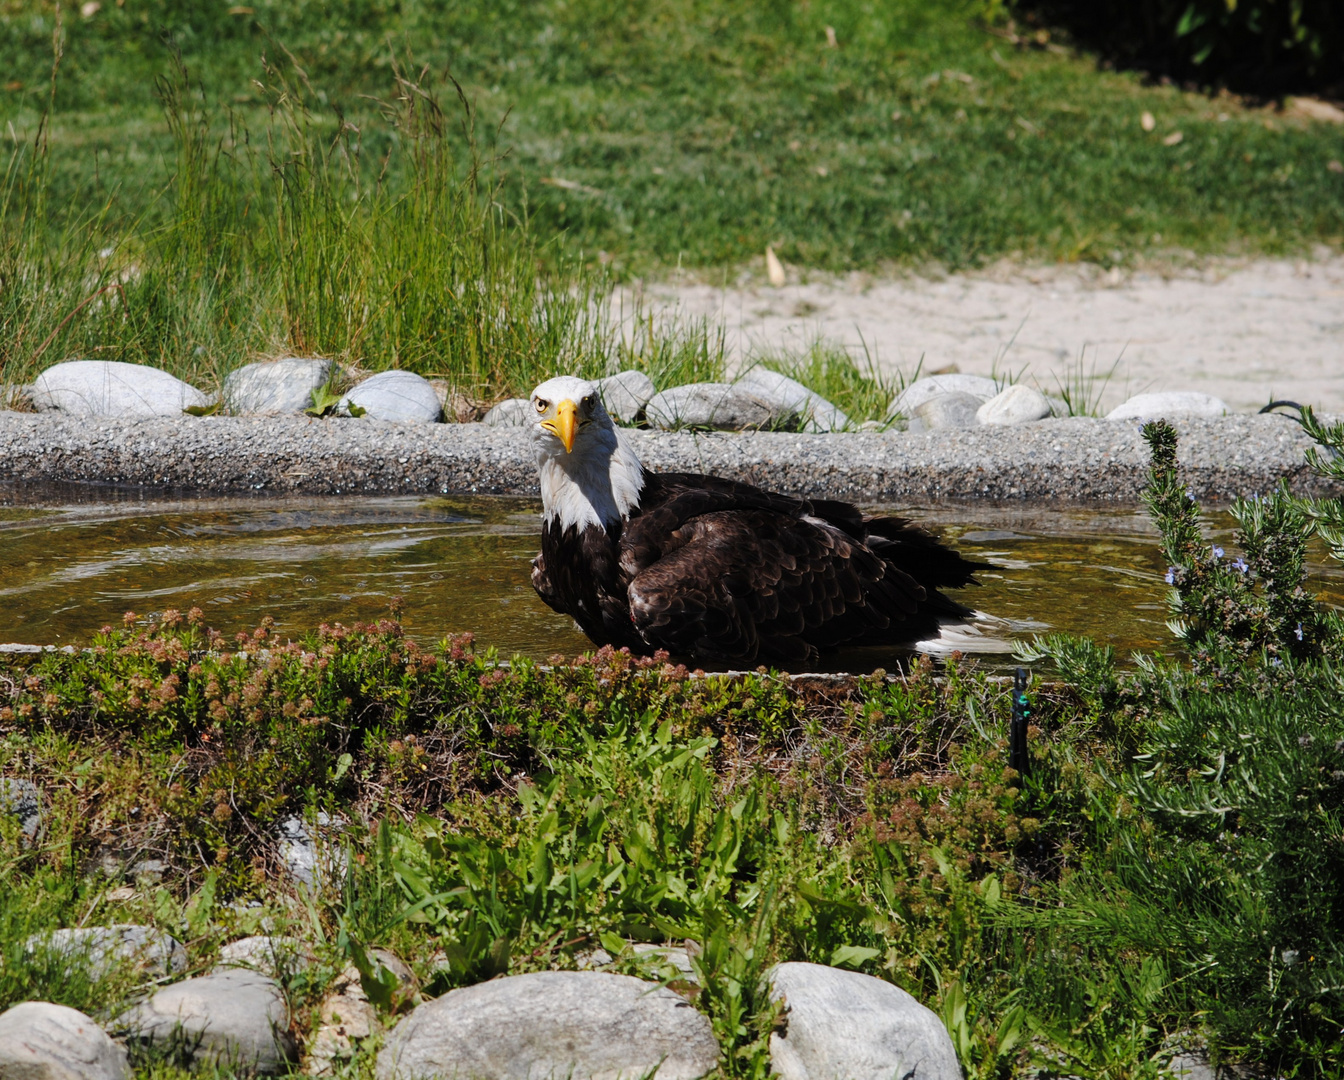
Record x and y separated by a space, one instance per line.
841 1025
512 412
274 387
943 411
235 1018
312 853
1191 1065
921 390
674 956
346 1016
1167 404
42 1041
625 395
102 950
791 397
22 799
1018 404
714 405
113 388
274 956
556 1024
402 396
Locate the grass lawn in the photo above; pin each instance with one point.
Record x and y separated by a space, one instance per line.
694 133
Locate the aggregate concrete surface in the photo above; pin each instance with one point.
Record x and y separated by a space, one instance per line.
1063 460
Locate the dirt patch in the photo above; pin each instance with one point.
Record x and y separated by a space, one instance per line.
1245 331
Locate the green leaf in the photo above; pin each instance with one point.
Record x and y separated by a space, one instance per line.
205 410
853 956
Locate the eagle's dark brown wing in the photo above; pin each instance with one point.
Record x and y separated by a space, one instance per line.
710 578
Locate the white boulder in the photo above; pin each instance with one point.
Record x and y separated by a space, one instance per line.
274 956
790 397
234 1018
42 1041
102 950
401 396
921 390
1167 404
842 1025
512 412
1017 404
579 1025
943 411
275 387
722 406
113 388
625 395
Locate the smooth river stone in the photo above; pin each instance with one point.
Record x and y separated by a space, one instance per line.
931 386
1018 404
1167 404
234 1017
944 411
567 1025
400 396
624 395
511 412
843 1025
113 388
42 1041
714 405
790 397
274 387
103 950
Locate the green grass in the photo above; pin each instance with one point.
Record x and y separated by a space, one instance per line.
299 192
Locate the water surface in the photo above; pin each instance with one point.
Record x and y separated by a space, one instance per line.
76 558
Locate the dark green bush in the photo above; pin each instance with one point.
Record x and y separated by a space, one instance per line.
1261 46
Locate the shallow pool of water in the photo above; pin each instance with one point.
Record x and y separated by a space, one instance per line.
76 559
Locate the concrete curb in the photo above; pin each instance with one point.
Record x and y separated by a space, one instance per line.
1064 460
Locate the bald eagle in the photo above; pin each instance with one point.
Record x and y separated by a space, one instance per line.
713 569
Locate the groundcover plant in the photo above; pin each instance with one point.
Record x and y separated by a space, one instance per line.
1162 875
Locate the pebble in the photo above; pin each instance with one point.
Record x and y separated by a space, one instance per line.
1017 404
22 799
236 1018
400 396
42 1041
1168 404
575 1024
921 390
720 406
790 397
511 412
946 411
625 394
275 387
843 1025
113 388
104 949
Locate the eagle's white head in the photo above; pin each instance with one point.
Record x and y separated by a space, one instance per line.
589 474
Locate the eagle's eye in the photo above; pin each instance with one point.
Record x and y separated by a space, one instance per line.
542 404
588 402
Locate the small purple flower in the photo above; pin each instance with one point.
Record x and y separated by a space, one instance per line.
1298 632
1189 494
1217 552
1239 564
1170 579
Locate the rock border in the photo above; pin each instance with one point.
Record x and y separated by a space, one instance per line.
1072 459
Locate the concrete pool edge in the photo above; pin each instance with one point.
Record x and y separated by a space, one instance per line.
1072 460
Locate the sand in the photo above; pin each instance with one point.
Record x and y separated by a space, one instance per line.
1246 331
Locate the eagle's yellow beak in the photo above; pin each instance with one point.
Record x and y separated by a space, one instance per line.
565 424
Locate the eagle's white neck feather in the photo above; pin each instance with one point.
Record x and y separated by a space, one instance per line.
599 481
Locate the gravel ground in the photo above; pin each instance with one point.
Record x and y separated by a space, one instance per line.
1067 460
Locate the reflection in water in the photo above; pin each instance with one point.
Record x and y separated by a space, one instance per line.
75 561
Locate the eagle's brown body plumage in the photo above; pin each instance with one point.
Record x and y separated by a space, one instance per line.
722 571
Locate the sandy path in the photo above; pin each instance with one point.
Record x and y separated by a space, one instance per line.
1244 332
